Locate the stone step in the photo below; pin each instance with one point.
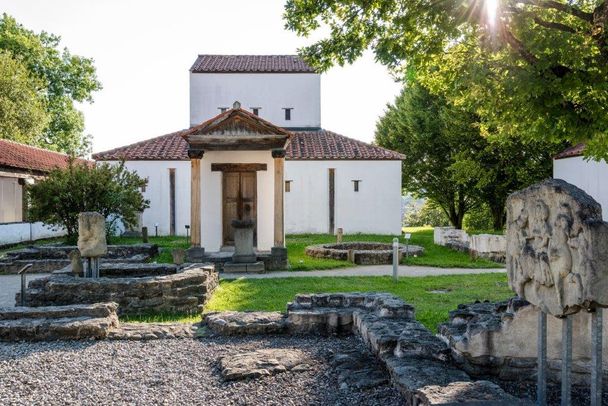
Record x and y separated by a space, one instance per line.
58 322
384 304
380 334
241 323
321 321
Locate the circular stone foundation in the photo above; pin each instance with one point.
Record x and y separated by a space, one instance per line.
362 253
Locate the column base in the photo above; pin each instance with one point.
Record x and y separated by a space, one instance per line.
278 259
195 254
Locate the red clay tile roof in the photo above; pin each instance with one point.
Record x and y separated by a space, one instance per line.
250 64
576 150
323 144
24 157
304 145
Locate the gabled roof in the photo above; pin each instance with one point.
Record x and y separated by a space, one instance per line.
235 119
14 155
250 64
575 150
303 145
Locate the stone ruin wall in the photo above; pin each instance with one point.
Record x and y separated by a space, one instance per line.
499 339
183 292
489 246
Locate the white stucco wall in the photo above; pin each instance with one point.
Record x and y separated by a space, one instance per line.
13 233
591 176
376 208
157 192
11 201
270 91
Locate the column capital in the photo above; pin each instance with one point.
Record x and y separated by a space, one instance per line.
278 153
195 153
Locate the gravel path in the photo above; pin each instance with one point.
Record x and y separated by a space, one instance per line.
173 372
369 270
10 284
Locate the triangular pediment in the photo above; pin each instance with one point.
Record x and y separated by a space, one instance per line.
236 127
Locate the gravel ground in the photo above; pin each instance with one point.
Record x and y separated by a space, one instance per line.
173 372
527 390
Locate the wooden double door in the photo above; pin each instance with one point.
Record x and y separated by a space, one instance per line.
239 201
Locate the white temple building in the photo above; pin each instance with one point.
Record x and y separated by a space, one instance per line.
255 149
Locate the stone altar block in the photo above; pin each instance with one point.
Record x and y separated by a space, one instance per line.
92 235
557 248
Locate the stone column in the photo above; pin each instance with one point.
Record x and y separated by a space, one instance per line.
279 181
278 253
195 252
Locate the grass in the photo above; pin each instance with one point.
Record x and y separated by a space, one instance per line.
431 308
434 255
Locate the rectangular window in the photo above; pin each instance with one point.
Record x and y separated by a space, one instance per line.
256 110
287 113
356 184
288 186
222 109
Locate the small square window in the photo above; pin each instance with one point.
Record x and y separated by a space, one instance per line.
356 184
287 113
222 109
288 186
256 110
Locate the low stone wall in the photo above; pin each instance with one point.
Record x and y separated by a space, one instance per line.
500 339
185 291
489 246
49 258
128 270
58 322
418 362
362 253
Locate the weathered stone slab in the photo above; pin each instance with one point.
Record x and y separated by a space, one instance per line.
557 248
360 370
152 331
92 235
239 323
58 322
498 339
263 363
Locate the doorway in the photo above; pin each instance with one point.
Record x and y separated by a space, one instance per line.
239 191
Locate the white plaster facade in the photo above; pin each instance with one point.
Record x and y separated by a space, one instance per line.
375 208
591 176
11 200
271 92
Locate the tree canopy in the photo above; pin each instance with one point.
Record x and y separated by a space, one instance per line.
23 115
60 80
450 161
541 65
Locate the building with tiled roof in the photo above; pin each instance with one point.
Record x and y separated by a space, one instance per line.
20 165
255 150
589 175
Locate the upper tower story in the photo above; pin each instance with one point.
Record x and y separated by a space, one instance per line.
282 89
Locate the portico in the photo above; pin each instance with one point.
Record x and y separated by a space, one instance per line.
237 173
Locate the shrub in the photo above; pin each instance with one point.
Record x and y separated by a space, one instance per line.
111 190
429 214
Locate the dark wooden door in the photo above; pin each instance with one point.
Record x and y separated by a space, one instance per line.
240 201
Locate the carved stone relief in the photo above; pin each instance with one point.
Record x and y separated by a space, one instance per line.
557 248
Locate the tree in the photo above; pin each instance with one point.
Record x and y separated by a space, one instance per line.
111 190
430 133
449 160
61 80
546 76
23 116
429 214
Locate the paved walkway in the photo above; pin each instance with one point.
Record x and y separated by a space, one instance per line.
371 270
10 285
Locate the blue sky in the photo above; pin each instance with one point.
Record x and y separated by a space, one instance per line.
143 50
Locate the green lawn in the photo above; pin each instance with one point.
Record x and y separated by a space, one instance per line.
431 308
434 255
